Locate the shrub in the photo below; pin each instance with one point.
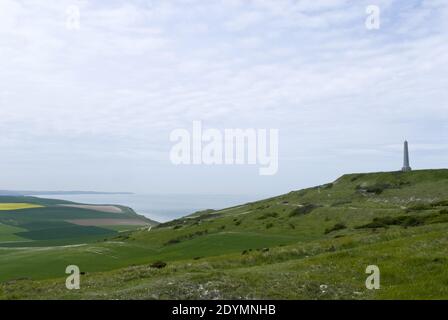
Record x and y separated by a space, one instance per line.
412 222
305 209
269 225
172 241
336 227
158 265
356 177
268 215
442 203
376 188
187 237
404 221
419 207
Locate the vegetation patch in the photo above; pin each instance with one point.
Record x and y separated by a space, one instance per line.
336 227
419 207
64 232
443 203
187 237
405 221
373 189
304 209
340 203
268 215
158 265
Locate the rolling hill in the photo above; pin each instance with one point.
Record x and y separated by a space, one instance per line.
32 221
313 243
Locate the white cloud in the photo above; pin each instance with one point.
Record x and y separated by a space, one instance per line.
135 71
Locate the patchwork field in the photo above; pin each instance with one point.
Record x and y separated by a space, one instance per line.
31 221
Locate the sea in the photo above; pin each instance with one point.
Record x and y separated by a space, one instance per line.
162 208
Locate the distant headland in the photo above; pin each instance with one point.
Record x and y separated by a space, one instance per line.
36 193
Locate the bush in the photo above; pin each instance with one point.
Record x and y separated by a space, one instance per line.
442 203
172 241
268 215
340 203
356 177
404 221
419 207
376 188
305 209
158 265
412 222
336 227
269 225
186 237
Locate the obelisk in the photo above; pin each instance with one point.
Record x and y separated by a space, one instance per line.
406 166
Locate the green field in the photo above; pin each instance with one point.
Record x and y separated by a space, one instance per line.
18 206
308 244
9 233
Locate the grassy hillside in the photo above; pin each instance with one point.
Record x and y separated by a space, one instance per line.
312 243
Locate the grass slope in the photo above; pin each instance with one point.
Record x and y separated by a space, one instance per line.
313 243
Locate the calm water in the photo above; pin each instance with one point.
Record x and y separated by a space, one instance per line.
162 207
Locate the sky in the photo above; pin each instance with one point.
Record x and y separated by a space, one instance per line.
88 101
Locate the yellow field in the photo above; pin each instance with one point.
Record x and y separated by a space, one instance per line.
18 206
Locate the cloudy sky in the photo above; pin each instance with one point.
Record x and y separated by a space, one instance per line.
92 107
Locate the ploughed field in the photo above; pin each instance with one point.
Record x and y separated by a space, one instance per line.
313 243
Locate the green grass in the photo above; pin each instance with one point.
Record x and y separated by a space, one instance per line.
306 244
122 228
8 233
72 231
412 263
